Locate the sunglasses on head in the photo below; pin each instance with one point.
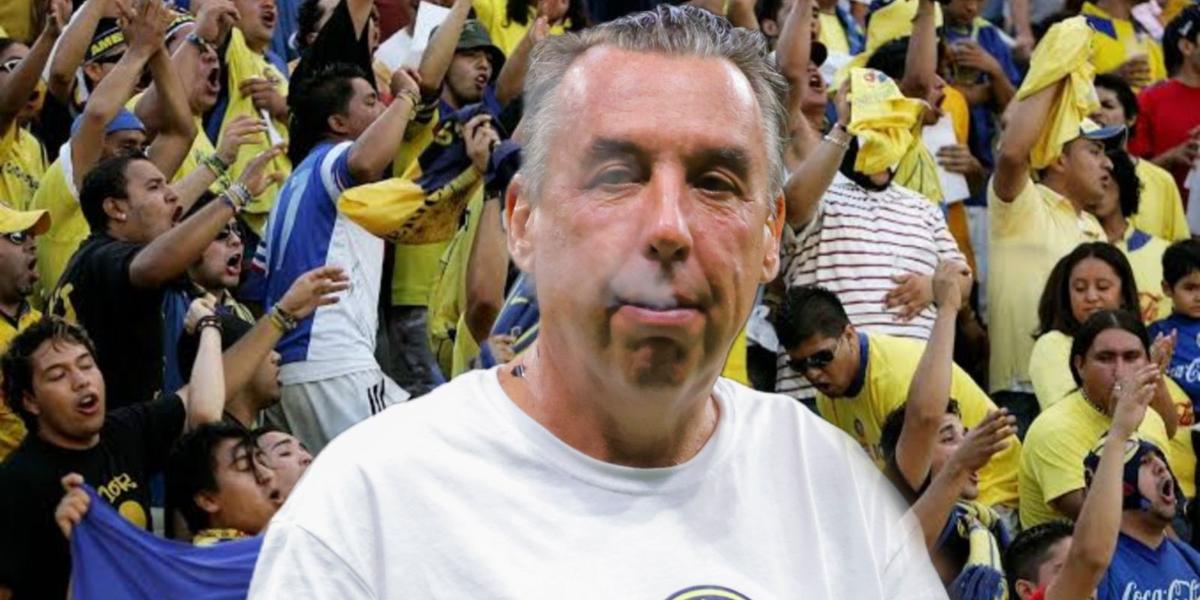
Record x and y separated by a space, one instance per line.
818 360
16 237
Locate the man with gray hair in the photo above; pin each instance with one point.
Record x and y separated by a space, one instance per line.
610 460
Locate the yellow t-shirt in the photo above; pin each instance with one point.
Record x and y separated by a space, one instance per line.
68 228
505 34
1050 368
22 165
1115 41
12 428
832 34
891 363
1026 237
1181 455
201 147
1145 253
1055 446
1160 208
241 63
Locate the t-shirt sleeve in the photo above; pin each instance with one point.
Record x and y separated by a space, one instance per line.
1057 464
947 247
335 170
1007 218
109 265
296 564
153 427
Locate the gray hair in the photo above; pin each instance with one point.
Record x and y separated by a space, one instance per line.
673 30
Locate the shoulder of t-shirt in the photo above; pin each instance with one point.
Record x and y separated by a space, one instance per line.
134 417
763 413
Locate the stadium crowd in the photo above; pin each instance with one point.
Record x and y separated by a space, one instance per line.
233 230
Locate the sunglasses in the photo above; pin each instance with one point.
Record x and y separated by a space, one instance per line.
819 359
17 237
9 65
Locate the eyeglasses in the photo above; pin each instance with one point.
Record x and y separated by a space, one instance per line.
819 359
9 65
17 237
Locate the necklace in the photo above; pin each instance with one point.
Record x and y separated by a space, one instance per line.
1092 403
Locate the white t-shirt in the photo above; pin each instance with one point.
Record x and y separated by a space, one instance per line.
460 494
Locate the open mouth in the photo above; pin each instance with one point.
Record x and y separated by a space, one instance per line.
276 496
268 18
481 80
213 81
816 82
233 266
89 404
177 215
1167 490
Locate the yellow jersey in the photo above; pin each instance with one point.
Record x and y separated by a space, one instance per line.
12 428
1145 253
1115 41
1160 208
832 34
1049 368
68 228
1181 455
22 166
1026 237
505 34
884 377
1055 446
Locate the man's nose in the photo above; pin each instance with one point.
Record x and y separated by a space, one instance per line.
670 238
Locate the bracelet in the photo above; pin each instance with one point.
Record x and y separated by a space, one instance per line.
216 165
209 321
236 196
282 319
413 97
842 143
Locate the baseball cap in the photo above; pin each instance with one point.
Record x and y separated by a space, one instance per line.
1112 135
474 35
14 221
818 54
123 121
108 42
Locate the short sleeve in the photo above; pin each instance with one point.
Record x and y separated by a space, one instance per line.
1049 370
108 265
947 247
1057 464
1008 218
296 564
152 427
335 171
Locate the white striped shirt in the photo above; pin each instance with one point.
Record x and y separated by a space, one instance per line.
857 242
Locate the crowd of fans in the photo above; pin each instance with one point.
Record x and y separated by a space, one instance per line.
230 230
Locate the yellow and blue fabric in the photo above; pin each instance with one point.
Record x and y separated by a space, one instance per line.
884 120
1145 253
880 386
841 33
239 63
1061 54
519 318
1136 451
22 166
1160 210
112 558
977 527
448 337
1115 41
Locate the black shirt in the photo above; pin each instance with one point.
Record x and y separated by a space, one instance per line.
34 556
124 321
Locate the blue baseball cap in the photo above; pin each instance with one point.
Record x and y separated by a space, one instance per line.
123 121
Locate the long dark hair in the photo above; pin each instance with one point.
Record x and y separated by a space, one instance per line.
1054 309
517 11
1099 323
1129 185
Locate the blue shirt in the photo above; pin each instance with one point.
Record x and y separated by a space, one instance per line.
519 317
1170 571
1185 363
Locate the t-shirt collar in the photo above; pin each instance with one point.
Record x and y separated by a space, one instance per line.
864 357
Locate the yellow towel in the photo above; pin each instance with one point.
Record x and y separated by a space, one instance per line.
1062 53
882 118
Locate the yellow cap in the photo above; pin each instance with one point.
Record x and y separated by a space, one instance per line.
33 221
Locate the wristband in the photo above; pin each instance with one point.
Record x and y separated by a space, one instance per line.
413 97
282 319
209 321
216 165
236 196
843 143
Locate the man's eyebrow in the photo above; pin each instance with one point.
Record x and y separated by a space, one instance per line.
734 158
605 148
280 443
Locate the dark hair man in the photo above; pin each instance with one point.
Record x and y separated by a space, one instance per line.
647 232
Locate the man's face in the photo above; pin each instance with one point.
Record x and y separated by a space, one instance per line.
126 142
815 97
1157 486
17 266
949 437
469 73
257 20
1087 169
1056 557
960 13
246 496
288 458
362 109
208 84
10 59
654 227
265 384
98 69
68 392
1185 295
151 206
1111 112
220 266
829 363
1114 354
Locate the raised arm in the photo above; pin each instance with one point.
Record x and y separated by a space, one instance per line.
144 35
487 266
808 182
72 47
24 78
435 62
171 253
511 79
1024 121
204 395
177 128
1095 535
792 58
1161 352
920 64
929 392
377 146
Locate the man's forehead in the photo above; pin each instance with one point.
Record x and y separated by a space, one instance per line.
56 351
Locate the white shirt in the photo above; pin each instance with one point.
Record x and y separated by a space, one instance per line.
462 495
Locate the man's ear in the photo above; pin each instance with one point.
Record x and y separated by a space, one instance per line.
769 28
772 234
337 124
1025 589
519 220
30 406
205 501
114 208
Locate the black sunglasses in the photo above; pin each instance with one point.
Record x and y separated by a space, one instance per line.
819 359
17 237
10 65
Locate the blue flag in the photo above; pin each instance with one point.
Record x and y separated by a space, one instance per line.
112 559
